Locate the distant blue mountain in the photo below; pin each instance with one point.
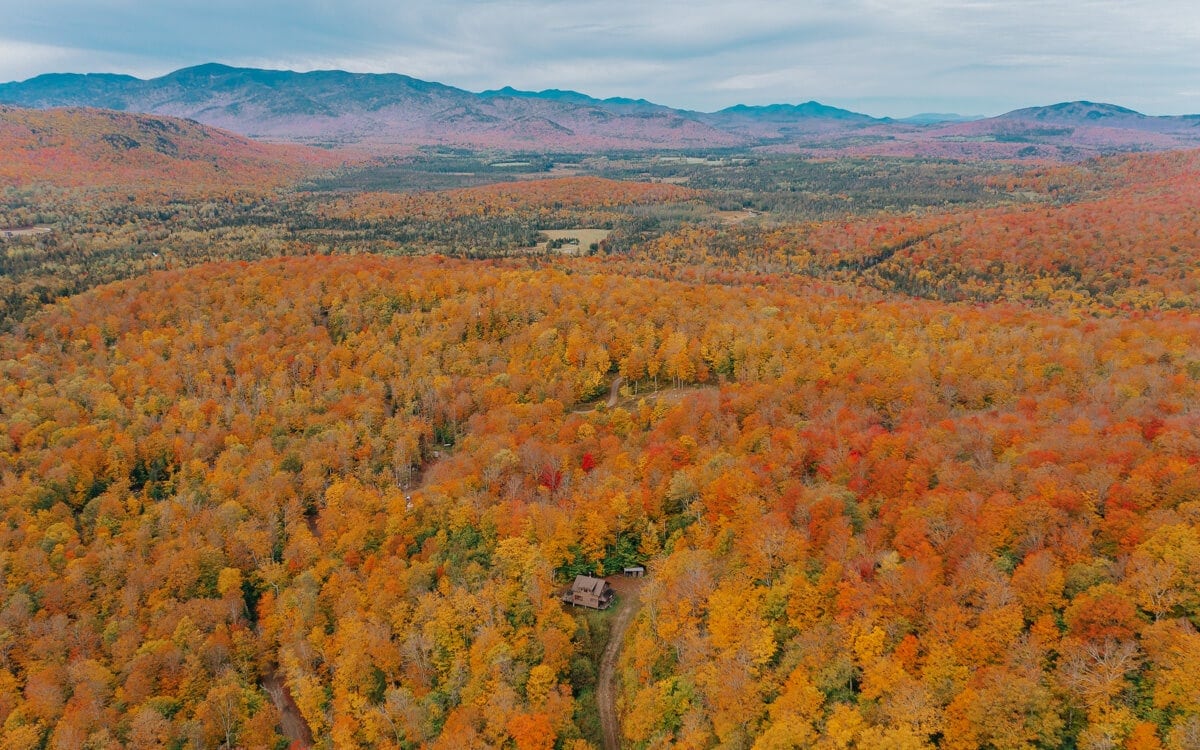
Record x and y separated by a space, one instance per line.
334 107
807 110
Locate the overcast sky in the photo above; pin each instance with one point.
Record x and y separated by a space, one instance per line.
882 57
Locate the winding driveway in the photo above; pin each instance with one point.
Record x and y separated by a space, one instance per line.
606 690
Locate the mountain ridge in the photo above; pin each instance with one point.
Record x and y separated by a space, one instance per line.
334 108
135 153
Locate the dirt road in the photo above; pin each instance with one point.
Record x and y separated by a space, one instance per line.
614 391
606 690
294 727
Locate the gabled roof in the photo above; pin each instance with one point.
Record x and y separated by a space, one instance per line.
587 583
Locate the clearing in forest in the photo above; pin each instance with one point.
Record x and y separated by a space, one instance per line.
24 232
572 241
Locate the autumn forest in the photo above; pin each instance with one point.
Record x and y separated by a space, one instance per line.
301 447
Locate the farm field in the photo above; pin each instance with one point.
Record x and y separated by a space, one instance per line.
300 447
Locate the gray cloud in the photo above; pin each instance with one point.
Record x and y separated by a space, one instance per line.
881 56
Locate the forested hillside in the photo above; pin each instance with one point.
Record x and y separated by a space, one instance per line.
981 514
147 156
1121 233
110 195
920 478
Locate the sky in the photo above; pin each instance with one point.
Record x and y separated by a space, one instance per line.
881 57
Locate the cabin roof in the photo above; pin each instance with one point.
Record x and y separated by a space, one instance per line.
589 584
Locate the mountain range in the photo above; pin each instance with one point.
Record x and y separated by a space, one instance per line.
395 112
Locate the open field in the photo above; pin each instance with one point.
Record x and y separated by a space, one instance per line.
737 217
572 241
24 232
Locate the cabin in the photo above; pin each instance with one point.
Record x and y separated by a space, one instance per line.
635 571
587 591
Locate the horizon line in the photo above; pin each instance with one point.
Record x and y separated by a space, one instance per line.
626 98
